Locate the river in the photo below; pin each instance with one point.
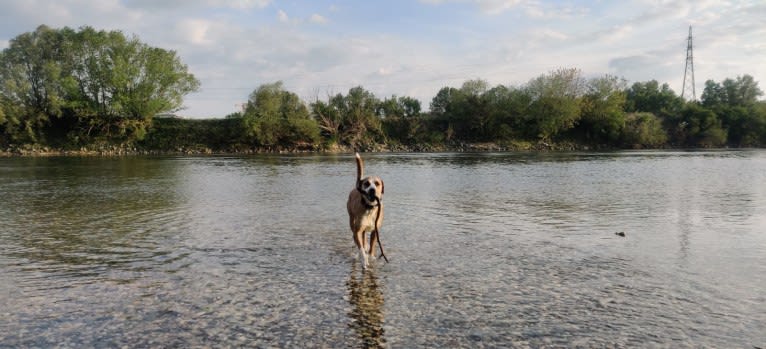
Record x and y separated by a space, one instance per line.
485 250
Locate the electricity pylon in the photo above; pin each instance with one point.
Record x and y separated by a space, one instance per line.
689 71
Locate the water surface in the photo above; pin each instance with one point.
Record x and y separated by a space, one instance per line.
486 250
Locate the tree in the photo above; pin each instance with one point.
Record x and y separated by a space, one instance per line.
742 92
117 84
352 119
735 102
87 83
402 119
440 103
441 107
643 130
30 71
329 119
699 127
652 98
274 116
555 102
603 105
466 113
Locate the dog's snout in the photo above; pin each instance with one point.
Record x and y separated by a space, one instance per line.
371 191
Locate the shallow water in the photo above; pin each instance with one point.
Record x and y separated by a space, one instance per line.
486 250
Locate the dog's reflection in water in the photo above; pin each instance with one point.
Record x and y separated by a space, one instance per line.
367 307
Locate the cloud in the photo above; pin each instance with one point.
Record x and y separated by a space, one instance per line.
234 46
491 7
240 4
494 7
318 19
544 11
282 16
194 31
187 4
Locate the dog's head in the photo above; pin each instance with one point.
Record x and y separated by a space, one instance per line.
372 188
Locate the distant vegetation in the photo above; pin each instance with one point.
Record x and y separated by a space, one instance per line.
74 89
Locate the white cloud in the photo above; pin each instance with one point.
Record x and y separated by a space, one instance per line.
491 7
188 4
234 46
544 11
494 7
318 19
616 33
240 4
194 31
282 16
384 71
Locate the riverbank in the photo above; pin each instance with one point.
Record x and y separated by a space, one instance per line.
132 150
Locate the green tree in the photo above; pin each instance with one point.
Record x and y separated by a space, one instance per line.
117 84
402 119
555 102
740 92
652 98
643 130
352 119
441 108
329 118
603 105
87 83
467 113
30 72
698 126
274 116
735 102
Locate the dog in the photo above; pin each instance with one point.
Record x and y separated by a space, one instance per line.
365 211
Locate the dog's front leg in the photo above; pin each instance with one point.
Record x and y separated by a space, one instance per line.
373 240
359 239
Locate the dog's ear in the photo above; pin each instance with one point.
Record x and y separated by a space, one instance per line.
382 187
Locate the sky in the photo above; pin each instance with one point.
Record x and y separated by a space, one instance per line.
414 48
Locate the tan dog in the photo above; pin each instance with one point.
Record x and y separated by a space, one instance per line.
364 202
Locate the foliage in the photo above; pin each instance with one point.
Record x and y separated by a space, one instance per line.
697 126
735 102
181 134
743 91
352 119
652 98
402 120
67 86
556 102
274 116
603 110
643 130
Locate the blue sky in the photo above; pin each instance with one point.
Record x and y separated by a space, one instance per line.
414 48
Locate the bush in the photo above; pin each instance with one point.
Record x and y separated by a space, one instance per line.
643 130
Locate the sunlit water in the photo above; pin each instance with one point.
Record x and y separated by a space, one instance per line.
486 250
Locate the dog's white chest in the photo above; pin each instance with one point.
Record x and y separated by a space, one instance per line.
368 220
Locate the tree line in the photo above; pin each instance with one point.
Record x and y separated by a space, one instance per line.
72 88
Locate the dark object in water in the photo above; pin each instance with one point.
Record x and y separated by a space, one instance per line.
620 233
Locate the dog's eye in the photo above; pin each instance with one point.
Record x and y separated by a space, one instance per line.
377 183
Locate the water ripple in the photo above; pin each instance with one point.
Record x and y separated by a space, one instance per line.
487 250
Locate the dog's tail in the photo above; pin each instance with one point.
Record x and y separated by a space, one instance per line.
359 168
